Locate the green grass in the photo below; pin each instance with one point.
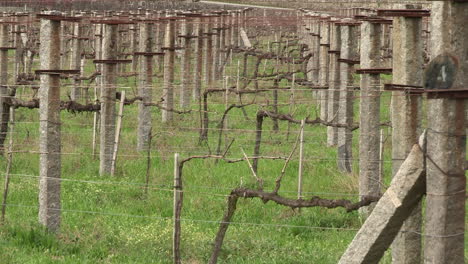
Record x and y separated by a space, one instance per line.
111 219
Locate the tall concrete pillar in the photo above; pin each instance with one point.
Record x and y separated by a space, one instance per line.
309 42
446 143
395 205
222 45
369 129
208 51
186 63
4 109
145 84
236 41
49 126
228 31
169 58
216 31
324 65
134 45
19 56
316 51
158 42
75 63
198 67
98 36
108 98
406 115
333 83
64 45
349 56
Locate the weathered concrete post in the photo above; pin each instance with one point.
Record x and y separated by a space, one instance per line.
64 45
145 84
49 116
216 46
159 37
208 51
386 45
324 65
381 227
232 28
134 45
28 56
406 115
98 31
98 37
169 57
75 63
222 46
333 83
235 33
369 140
309 42
186 62
446 149
229 28
107 140
198 72
316 51
4 109
19 54
348 57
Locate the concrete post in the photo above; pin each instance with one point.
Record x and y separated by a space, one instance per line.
63 45
349 53
169 57
134 46
240 26
446 150
308 31
228 31
316 51
369 140
4 109
98 34
145 85
235 33
49 116
324 66
75 63
186 63
386 44
19 54
216 47
233 28
109 52
334 84
208 52
159 36
198 72
379 230
222 47
406 113
120 44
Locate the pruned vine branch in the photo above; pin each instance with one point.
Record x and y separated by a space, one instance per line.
245 193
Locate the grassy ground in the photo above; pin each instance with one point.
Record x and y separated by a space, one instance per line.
112 220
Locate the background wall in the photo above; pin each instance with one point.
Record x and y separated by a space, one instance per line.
333 4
